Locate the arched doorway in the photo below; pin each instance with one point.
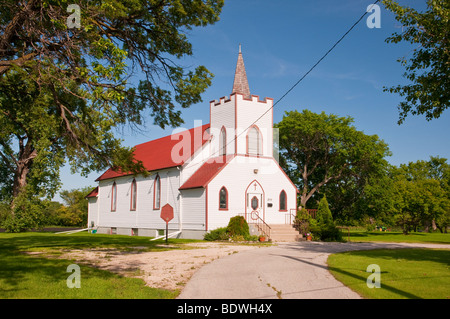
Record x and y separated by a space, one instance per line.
254 201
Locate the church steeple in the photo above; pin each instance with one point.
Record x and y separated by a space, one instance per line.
240 84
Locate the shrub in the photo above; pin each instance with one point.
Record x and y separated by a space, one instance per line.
323 228
27 214
302 222
217 234
324 216
238 227
237 230
326 233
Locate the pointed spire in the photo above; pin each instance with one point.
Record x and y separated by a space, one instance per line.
240 84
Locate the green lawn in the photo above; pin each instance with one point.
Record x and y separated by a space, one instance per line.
27 276
404 273
414 237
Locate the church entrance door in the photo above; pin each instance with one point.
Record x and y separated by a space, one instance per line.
254 198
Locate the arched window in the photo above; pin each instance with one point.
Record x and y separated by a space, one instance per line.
223 199
157 193
133 195
223 142
283 201
254 141
113 197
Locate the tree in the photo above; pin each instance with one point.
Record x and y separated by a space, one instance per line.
428 68
318 150
376 203
324 216
422 194
323 227
65 91
75 210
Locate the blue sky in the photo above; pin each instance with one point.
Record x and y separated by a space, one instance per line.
280 41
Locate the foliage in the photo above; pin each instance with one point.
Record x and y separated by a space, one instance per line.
326 153
75 210
27 214
323 227
31 212
237 226
66 91
237 230
324 216
217 234
428 67
302 221
413 196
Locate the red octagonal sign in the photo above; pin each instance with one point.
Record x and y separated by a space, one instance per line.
167 213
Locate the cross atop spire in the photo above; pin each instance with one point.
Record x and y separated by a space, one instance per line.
240 84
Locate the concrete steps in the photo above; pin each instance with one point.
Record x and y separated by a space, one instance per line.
283 233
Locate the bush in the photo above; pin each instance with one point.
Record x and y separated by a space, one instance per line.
237 230
326 233
302 222
217 234
323 228
238 227
27 215
324 216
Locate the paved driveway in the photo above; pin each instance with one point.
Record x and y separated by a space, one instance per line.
287 270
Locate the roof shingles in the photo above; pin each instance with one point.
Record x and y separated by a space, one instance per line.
169 151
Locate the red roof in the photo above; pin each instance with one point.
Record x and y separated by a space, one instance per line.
207 172
93 193
169 151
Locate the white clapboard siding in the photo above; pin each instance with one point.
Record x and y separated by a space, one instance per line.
251 113
237 177
193 209
145 216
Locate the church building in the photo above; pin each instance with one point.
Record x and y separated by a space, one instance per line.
204 175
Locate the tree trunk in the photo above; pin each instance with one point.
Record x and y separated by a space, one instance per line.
23 165
433 224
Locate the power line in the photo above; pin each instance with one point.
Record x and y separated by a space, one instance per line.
305 75
314 66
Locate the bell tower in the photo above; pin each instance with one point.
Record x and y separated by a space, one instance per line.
242 124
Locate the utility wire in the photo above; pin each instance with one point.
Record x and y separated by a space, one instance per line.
314 66
305 75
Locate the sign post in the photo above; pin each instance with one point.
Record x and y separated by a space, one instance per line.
167 216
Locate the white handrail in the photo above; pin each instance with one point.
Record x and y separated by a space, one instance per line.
73 231
169 235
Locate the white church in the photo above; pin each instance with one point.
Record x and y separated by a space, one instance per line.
207 175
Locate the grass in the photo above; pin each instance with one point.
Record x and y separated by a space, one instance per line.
397 237
29 276
404 273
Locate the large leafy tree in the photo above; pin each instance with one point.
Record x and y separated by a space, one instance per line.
65 90
324 150
422 193
411 195
428 66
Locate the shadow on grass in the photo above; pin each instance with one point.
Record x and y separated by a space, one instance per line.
418 237
21 273
359 278
399 255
